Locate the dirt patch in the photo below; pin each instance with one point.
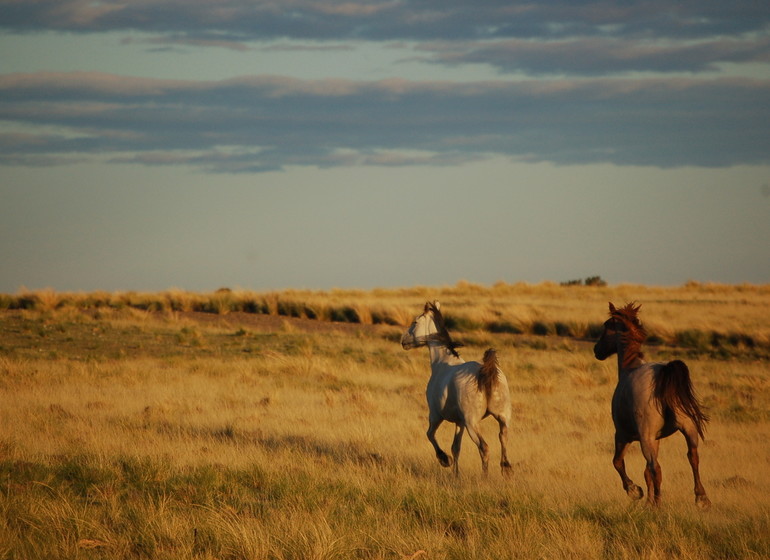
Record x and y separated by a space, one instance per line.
272 323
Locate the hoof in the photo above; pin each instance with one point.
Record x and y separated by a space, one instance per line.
635 492
506 469
702 502
445 460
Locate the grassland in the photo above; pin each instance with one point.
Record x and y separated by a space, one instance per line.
291 425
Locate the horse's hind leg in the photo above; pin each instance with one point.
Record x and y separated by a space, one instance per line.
433 423
482 445
505 465
619 463
653 474
692 455
456 445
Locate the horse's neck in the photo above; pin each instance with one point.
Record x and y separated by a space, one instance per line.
440 354
629 358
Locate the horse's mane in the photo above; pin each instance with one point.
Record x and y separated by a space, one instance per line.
443 333
634 335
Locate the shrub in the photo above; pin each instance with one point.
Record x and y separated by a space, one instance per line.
590 281
252 305
503 327
594 330
26 301
344 315
383 318
289 309
693 338
595 281
460 323
738 339
654 339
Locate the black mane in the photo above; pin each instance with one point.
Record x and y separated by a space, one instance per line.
443 333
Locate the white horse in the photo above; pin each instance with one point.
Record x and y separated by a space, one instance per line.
460 392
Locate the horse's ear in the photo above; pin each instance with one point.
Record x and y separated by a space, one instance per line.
437 305
427 307
612 308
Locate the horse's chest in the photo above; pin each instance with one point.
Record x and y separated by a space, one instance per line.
623 411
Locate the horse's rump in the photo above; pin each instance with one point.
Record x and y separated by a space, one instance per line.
673 389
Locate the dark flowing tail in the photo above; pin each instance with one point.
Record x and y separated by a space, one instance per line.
673 389
488 372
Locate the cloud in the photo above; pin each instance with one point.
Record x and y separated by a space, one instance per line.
171 41
246 20
260 123
598 55
537 38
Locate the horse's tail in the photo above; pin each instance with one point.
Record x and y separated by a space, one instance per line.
673 389
488 372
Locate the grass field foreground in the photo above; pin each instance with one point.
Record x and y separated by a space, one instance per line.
140 433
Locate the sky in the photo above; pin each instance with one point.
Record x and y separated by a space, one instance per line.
317 144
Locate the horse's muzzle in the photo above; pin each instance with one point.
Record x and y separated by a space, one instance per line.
599 353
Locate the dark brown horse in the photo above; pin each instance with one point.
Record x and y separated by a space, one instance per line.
652 400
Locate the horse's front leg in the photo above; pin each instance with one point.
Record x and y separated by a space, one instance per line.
434 421
621 446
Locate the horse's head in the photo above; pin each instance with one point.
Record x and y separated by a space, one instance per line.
621 329
423 328
607 344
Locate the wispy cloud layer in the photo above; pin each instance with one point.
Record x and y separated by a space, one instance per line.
404 19
594 56
602 82
266 123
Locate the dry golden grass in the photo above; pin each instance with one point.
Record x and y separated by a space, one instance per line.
132 434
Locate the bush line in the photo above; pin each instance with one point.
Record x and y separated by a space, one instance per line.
225 301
